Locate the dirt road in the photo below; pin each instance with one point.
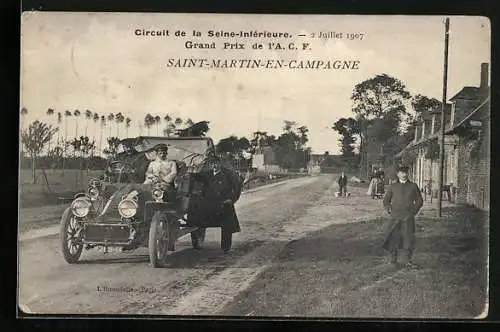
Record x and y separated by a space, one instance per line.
194 283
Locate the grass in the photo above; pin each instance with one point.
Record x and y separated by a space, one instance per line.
59 183
342 272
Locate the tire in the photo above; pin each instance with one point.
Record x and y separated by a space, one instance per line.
159 238
226 241
71 252
198 238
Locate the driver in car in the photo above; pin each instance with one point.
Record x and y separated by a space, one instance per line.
162 170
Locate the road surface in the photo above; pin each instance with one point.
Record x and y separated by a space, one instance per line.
302 252
195 282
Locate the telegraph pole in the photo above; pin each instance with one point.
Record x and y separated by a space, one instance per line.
443 110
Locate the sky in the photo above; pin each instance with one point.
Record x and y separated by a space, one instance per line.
95 61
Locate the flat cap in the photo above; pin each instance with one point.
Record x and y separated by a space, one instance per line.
161 147
403 168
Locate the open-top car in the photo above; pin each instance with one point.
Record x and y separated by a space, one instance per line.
121 210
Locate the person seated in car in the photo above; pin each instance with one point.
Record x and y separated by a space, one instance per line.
161 170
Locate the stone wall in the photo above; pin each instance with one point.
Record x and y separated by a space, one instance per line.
478 175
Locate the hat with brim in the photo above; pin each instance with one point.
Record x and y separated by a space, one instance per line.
403 168
160 147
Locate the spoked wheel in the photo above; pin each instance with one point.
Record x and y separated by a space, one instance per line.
159 237
198 238
70 237
226 240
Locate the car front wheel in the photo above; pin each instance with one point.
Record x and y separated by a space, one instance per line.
159 232
70 237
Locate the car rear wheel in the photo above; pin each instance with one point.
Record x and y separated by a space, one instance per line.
70 236
226 240
198 238
159 238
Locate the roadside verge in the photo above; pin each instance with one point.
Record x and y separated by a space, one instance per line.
341 271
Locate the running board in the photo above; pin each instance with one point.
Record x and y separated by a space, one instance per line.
186 230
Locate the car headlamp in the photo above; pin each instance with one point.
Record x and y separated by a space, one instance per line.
127 208
157 194
81 207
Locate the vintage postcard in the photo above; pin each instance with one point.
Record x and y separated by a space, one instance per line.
254 165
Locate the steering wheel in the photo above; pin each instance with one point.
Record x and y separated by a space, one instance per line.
191 156
94 182
123 164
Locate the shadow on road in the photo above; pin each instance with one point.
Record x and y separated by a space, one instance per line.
211 256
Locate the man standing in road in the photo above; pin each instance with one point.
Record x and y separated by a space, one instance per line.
402 201
342 184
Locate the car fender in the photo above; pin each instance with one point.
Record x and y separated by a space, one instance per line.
151 207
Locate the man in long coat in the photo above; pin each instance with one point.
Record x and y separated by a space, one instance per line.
222 189
402 201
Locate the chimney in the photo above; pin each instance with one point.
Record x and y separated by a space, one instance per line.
484 75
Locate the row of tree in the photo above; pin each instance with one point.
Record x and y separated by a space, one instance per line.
97 127
289 148
385 116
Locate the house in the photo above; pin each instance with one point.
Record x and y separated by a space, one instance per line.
466 150
328 163
265 160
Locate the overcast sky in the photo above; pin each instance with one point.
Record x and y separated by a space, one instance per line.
94 61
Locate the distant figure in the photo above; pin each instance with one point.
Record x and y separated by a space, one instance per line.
342 181
402 201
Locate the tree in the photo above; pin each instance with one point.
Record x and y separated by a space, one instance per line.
234 149
148 121
77 114
34 140
290 150
59 121
127 125
83 145
423 104
103 126
169 129
119 118
95 118
67 114
346 146
112 149
376 96
378 103
55 155
261 139
233 145
49 112
347 129
88 117
111 118
24 112
157 120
